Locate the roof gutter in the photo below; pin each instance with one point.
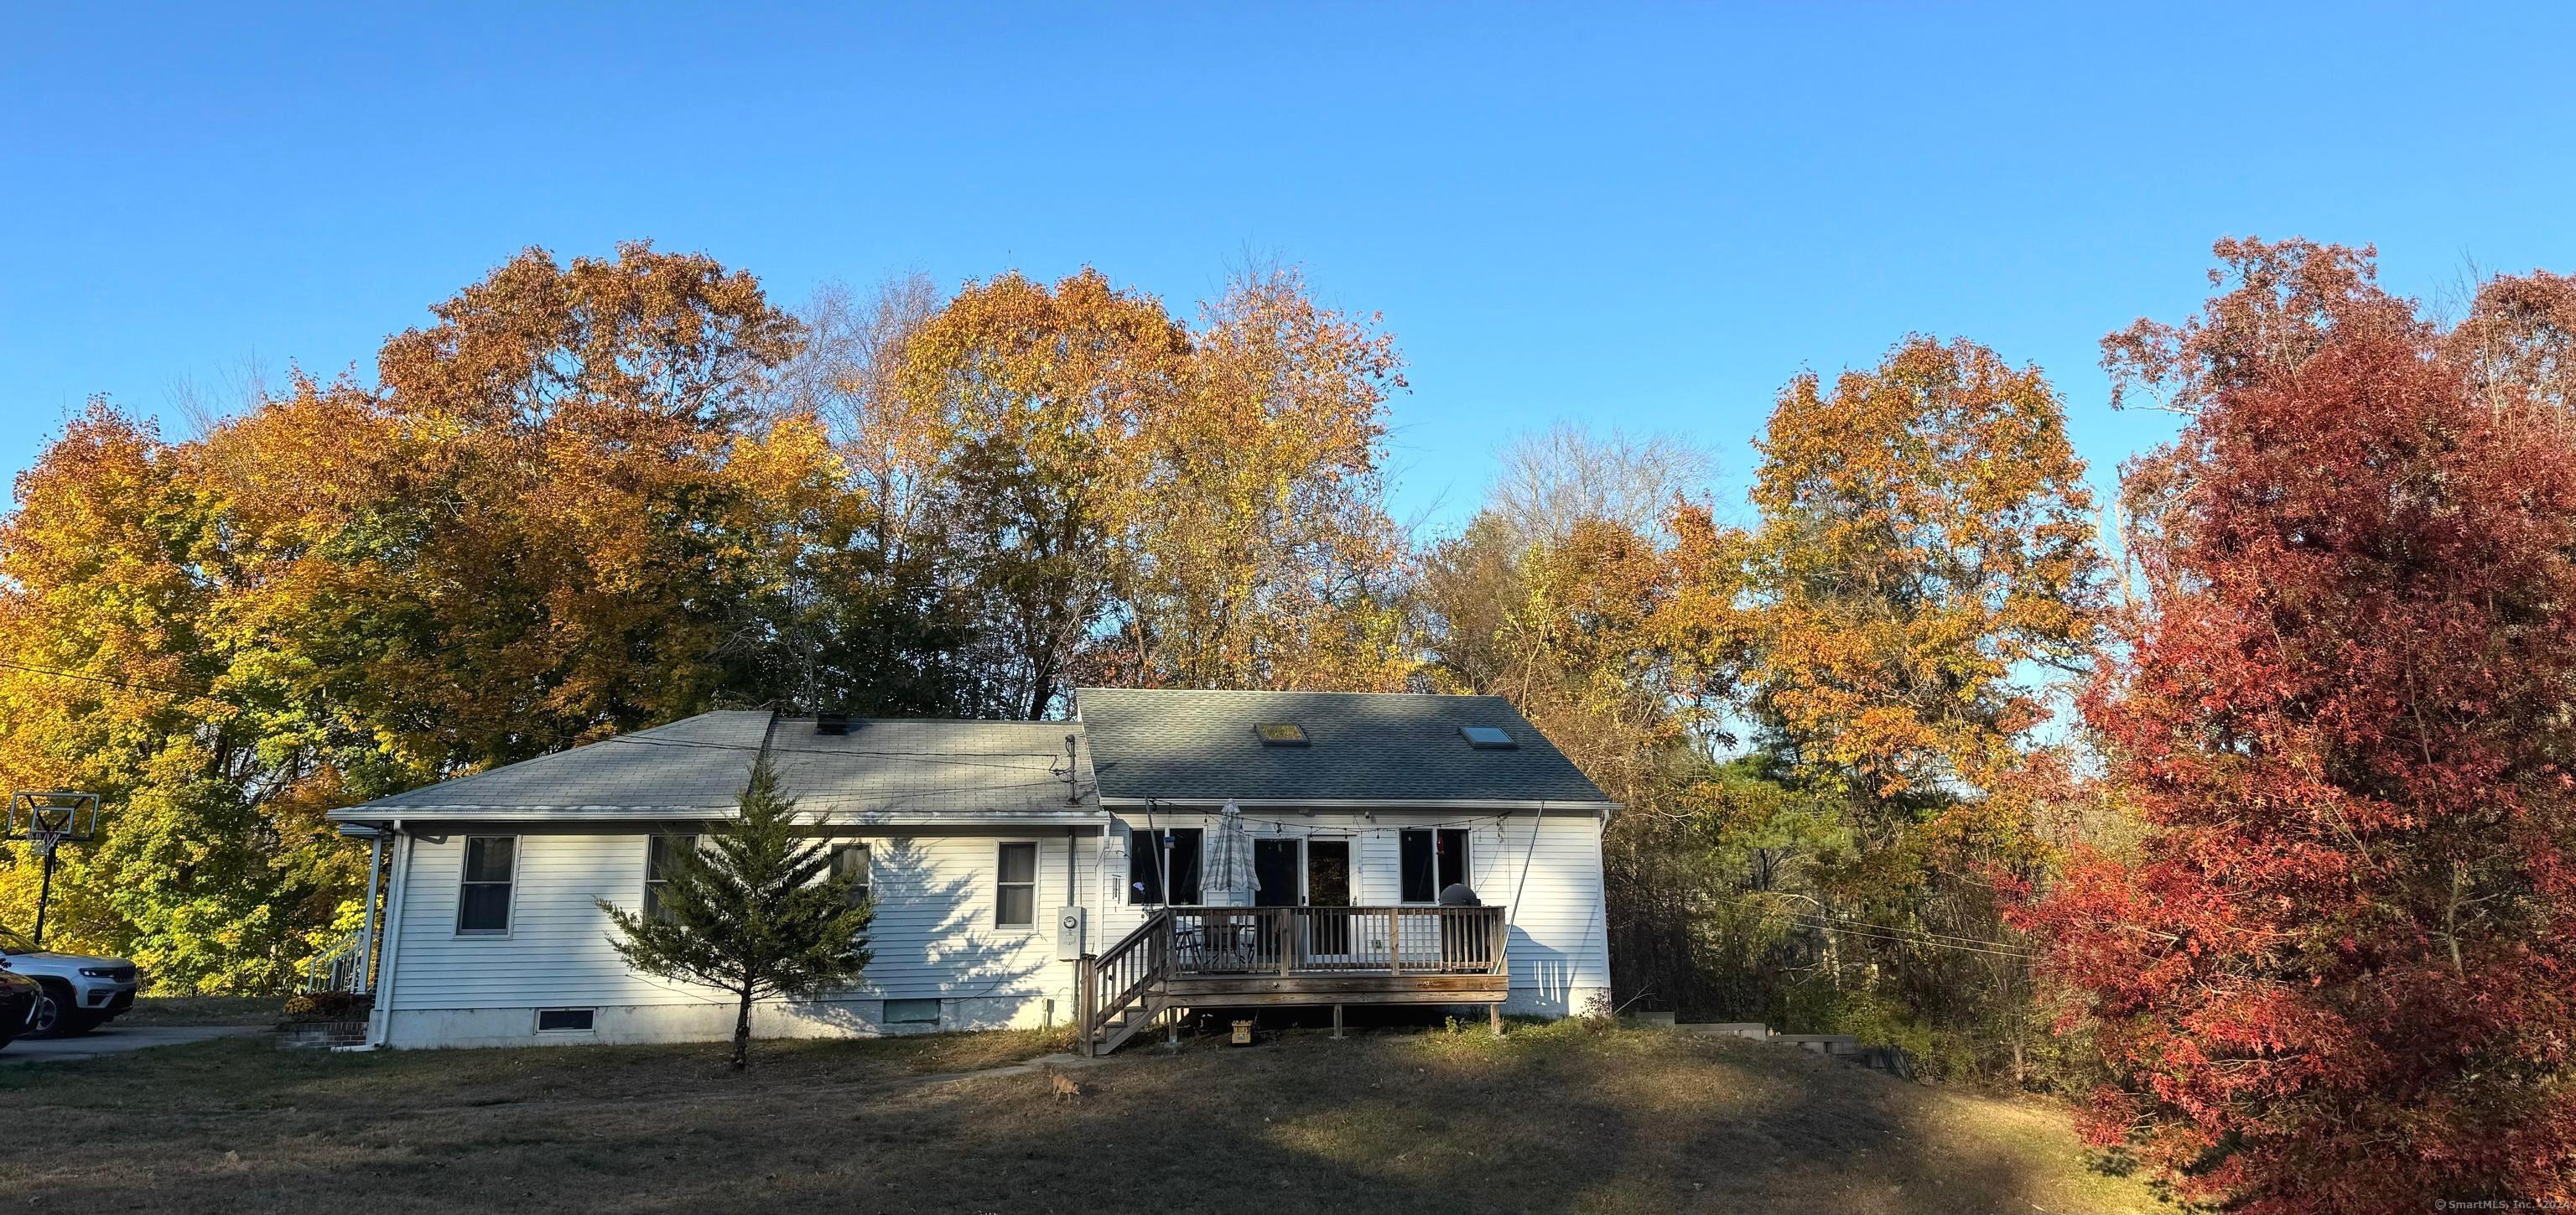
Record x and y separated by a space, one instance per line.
1369 803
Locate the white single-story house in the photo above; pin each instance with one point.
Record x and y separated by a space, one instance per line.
1023 873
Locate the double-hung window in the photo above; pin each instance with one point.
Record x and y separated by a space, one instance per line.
1146 861
483 889
1433 860
851 861
1015 902
662 854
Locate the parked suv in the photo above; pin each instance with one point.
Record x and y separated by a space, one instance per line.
81 993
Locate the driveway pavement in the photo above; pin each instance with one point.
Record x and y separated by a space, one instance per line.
111 1040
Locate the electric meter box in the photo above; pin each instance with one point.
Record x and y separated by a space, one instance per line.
1069 924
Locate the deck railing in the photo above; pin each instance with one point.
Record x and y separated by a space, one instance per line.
1337 940
1123 989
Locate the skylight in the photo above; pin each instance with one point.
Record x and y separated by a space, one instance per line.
1280 734
1488 738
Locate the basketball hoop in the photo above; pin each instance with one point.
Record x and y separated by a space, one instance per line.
47 821
50 820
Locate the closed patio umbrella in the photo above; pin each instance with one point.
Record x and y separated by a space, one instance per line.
1229 859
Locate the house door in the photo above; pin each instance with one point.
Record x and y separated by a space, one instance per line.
1328 885
1274 865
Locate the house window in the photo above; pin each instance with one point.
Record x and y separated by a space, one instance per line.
483 893
1015 902
565 1020
1145 866
1433 859
661 855
912 1012
851 860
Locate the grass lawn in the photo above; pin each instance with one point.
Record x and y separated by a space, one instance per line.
1554 1118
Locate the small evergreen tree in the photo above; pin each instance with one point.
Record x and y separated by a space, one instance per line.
748 914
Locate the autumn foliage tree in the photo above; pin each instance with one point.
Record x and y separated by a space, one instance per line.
1924 564
595 494
2336 973
555 517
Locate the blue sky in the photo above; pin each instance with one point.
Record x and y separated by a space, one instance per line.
1648 217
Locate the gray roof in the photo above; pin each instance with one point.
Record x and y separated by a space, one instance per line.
696 767
896 766
1388 748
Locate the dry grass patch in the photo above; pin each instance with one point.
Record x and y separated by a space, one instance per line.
1551 1119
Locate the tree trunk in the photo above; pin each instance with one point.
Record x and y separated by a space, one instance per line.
742 1030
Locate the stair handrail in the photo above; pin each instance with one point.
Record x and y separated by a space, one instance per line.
330 969
1101 1002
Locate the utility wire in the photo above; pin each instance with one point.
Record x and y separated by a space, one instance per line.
100 679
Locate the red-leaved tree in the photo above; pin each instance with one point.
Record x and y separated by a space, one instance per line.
2339 973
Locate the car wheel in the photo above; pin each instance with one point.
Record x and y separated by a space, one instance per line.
56 1017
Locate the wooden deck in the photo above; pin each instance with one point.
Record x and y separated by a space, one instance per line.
1236 956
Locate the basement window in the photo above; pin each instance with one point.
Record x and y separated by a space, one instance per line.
1280 734
912 1012
565 1020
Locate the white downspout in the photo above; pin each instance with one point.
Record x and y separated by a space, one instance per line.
380 1018
367 928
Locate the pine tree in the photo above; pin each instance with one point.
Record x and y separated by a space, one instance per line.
752 912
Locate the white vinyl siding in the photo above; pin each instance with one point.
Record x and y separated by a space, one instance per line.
936 903
933 934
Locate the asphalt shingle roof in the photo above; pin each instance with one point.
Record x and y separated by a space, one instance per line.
698 766
1201 746
895 766
695 764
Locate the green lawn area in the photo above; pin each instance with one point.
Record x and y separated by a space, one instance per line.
1554 1118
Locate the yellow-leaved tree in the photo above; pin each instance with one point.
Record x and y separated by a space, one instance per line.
1925 564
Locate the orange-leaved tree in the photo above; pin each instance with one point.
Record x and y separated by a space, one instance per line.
1925 562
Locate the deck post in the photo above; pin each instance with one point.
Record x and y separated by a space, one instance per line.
1082 1004
1494 1017
1337 1020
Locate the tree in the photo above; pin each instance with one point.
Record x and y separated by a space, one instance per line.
1926 546
1553 479
1257 549
2334 973
1031 397
1139 502
588 534
1581 593
215 869
2283 300
1925 559
754 912
2519 339
881 614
